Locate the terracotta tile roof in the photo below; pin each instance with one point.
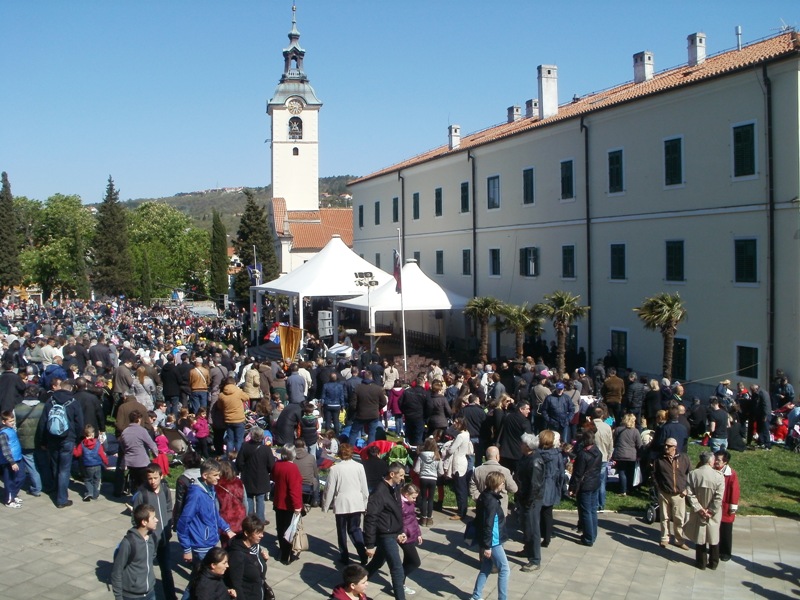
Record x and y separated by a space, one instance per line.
724 63
278 214
310 230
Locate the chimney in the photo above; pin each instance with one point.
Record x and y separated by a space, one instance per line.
548 90
697 48
642 66
454 136
531 108
514 113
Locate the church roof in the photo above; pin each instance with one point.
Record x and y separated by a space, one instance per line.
722 64
310 230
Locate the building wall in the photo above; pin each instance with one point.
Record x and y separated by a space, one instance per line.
296 178
708 210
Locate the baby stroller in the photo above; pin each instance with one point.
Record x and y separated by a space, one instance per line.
651 513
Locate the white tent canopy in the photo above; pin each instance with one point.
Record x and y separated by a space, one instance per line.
330 272
419 293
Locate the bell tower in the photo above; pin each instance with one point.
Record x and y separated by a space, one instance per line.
294 111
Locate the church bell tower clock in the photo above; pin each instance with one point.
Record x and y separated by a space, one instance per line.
294 110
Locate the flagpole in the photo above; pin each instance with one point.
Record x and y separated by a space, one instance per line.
402 305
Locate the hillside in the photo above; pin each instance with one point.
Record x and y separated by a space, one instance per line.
230 202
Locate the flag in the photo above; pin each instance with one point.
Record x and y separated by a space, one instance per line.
399 287
255 274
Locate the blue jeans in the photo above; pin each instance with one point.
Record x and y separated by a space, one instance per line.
234 436
32 472
198 400
499 560
60 464
359 425
601 493
12 481
587 513
718 444
255 504
92 477
388 550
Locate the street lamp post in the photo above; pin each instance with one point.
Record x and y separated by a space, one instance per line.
365 278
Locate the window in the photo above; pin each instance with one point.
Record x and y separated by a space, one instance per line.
673 161
494 262
619 347
295 151
465 197
572 338
529 262
617 261
679 359
417 257
493 192
415 206
615 173
295 128
527 186
440 262
378 259
395 210
567 180
674 271
747 362
437 202
377 212
745 253
568 262
744 150
361 216
466 262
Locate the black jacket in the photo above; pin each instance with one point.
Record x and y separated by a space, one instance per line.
284 431
170 380
255 462
209 587
246 570
473 416
413 401
92 408
384 514
586 471
509 439
486 509
12 390
530 479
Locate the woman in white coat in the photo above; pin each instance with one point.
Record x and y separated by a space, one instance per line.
458 466
347 490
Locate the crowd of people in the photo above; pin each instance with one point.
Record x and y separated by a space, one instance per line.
516 437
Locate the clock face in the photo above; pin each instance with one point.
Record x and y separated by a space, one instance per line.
295 106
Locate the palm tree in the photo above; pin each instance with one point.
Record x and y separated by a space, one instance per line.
563 308
519 320
663 312
482 309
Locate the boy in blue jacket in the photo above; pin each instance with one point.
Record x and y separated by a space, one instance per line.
11 461
200 522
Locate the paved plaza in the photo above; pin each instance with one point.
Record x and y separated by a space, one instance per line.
66 554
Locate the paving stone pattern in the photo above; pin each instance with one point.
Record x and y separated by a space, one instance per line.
66 554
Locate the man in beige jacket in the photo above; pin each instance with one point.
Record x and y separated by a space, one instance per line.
478 481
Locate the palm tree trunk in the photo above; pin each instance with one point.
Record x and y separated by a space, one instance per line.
561 349
669 343
520 339
485 340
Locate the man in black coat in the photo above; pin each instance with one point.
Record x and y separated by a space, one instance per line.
383 528
509 439
412 404
285 429
370 398
170 379
530 481
474 416
12 388
91 406
255 462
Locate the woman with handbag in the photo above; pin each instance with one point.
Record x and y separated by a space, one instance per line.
247 560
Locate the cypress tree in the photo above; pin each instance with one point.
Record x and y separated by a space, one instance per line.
10 270
254 231
219 258
113 268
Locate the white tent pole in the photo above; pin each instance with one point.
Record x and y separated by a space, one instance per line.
402 306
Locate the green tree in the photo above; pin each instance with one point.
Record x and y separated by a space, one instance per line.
219 257
482 309
54 250
112 272
520 319
146 281
663 312
563 309
254 232
10 269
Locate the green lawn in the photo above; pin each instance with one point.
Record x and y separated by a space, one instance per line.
769 481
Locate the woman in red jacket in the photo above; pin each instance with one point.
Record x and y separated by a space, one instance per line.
287 498
231 497
730 503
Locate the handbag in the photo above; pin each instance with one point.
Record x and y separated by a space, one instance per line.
637 475
300 539
268 593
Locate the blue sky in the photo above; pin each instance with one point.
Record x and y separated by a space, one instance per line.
170 96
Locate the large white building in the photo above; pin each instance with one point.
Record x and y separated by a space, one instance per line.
682 181
299 227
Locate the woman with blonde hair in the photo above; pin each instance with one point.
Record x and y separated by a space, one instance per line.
652 403
627 444
143 388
